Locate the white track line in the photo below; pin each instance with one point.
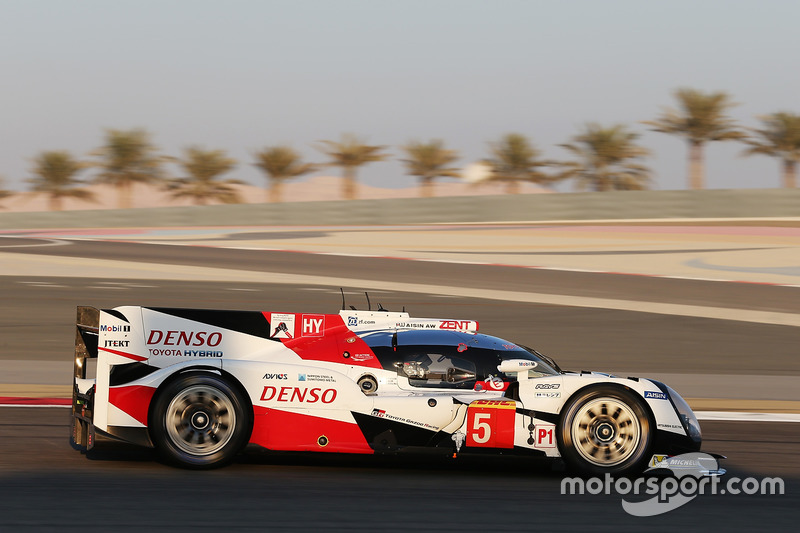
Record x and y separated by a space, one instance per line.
740 416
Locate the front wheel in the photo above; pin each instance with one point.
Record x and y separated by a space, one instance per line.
200 421
606 430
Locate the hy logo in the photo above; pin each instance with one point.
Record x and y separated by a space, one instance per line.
696 465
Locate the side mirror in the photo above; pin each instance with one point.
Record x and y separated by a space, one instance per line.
520 367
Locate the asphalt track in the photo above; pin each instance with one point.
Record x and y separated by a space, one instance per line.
48 486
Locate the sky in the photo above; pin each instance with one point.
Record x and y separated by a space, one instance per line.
241 75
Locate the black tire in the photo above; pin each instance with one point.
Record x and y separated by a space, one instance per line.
606 429
200 421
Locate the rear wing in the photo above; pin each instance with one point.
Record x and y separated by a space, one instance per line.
87 325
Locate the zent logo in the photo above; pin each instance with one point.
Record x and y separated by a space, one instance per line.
454 324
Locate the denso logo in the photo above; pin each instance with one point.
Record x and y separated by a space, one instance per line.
454 324
186 338
548 385
297 394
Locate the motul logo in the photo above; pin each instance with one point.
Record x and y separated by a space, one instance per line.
298 395
184 338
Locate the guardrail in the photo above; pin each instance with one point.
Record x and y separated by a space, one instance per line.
738 203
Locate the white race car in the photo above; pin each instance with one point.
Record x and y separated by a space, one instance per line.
199 385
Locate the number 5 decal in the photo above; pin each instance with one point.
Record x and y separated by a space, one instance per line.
481 431
490 423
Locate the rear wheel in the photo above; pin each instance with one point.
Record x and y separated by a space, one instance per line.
200 421
606 430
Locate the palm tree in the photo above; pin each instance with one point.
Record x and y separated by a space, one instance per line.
514 160
128 157
281 163
429 161
54 175
701 119
608 159
779 138
350 153
3 193
203 167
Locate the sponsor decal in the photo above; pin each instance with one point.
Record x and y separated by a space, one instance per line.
298 394
490 424
545 436
275 376
361 356
318 377
380 413
495 383
184 338
655 395
547 394
510 346
202 353
495 404
115 344
301 377
313 325
548 386
350 340
352 321
455 324
414 325
656 459
669 426
156 352
282 325
462 347
115 329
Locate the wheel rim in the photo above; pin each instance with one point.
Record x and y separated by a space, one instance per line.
606 431
200 420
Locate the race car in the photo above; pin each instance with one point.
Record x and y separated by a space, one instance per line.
199 385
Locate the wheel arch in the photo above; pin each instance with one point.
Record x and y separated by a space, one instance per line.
582 391
202 370
604 384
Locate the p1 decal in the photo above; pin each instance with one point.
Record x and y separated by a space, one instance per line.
490 423
544 436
